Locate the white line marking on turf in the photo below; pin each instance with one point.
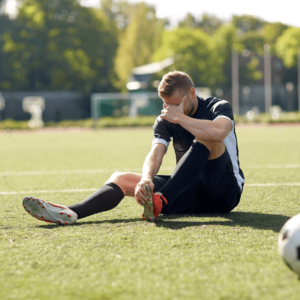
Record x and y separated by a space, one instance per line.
94 189
26 173
273 184
288 166
67 172
48 191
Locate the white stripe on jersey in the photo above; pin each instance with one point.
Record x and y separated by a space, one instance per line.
231 146
160 141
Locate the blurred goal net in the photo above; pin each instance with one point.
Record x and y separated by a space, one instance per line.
131 104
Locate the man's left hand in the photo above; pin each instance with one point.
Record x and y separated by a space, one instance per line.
172 113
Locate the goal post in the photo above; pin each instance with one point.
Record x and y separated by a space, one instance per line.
124 104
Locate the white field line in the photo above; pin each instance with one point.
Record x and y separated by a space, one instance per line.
68 172
273 184
94 189
48 191
288 166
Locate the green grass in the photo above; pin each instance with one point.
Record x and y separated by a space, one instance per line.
115 255
86 123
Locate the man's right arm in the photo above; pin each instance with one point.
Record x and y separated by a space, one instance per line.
151 167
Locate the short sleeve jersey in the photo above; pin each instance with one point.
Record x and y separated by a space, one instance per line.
210 109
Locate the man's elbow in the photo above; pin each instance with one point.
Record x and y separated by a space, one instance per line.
221 128
219 136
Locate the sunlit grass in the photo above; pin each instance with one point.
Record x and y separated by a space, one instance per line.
115 255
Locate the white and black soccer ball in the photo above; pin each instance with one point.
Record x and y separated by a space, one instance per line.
289 243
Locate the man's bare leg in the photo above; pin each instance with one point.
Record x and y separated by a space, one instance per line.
127 181
119 184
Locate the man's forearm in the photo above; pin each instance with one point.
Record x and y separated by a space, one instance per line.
204 130
151 166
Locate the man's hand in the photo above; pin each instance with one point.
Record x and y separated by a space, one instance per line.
140 190
172 113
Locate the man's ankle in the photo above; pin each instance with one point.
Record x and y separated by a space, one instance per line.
159 193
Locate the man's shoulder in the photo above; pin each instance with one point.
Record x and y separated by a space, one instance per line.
158 120
161 123
214 102
214 107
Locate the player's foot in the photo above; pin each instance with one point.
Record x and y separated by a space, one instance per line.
153 205
48 212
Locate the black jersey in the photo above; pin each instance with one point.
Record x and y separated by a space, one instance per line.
210 109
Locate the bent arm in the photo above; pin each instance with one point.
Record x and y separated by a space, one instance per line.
151 167
206 130
153 161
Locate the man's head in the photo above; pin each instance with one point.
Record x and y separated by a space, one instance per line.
174 86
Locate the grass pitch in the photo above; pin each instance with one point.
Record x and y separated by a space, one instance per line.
116 255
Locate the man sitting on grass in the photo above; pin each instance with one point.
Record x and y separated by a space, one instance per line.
207 177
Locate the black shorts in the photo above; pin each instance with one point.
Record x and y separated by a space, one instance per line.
215 190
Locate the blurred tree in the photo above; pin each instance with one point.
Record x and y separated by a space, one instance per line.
246 23
189 21
271 32
118 12
249 72
59 45
225 39
5 24
287 46
253 41
208 23
194 54
251 47
121 13
140 39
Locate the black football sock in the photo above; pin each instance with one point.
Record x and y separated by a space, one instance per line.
106 198
190 166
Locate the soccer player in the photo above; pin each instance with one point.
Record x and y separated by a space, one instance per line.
207 177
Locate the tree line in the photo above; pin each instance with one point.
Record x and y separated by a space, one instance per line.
60 45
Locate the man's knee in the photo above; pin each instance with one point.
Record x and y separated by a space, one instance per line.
207 144
126 181
117 177
216 149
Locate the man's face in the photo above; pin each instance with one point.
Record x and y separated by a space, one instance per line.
176 99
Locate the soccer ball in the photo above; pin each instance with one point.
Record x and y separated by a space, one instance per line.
289 243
